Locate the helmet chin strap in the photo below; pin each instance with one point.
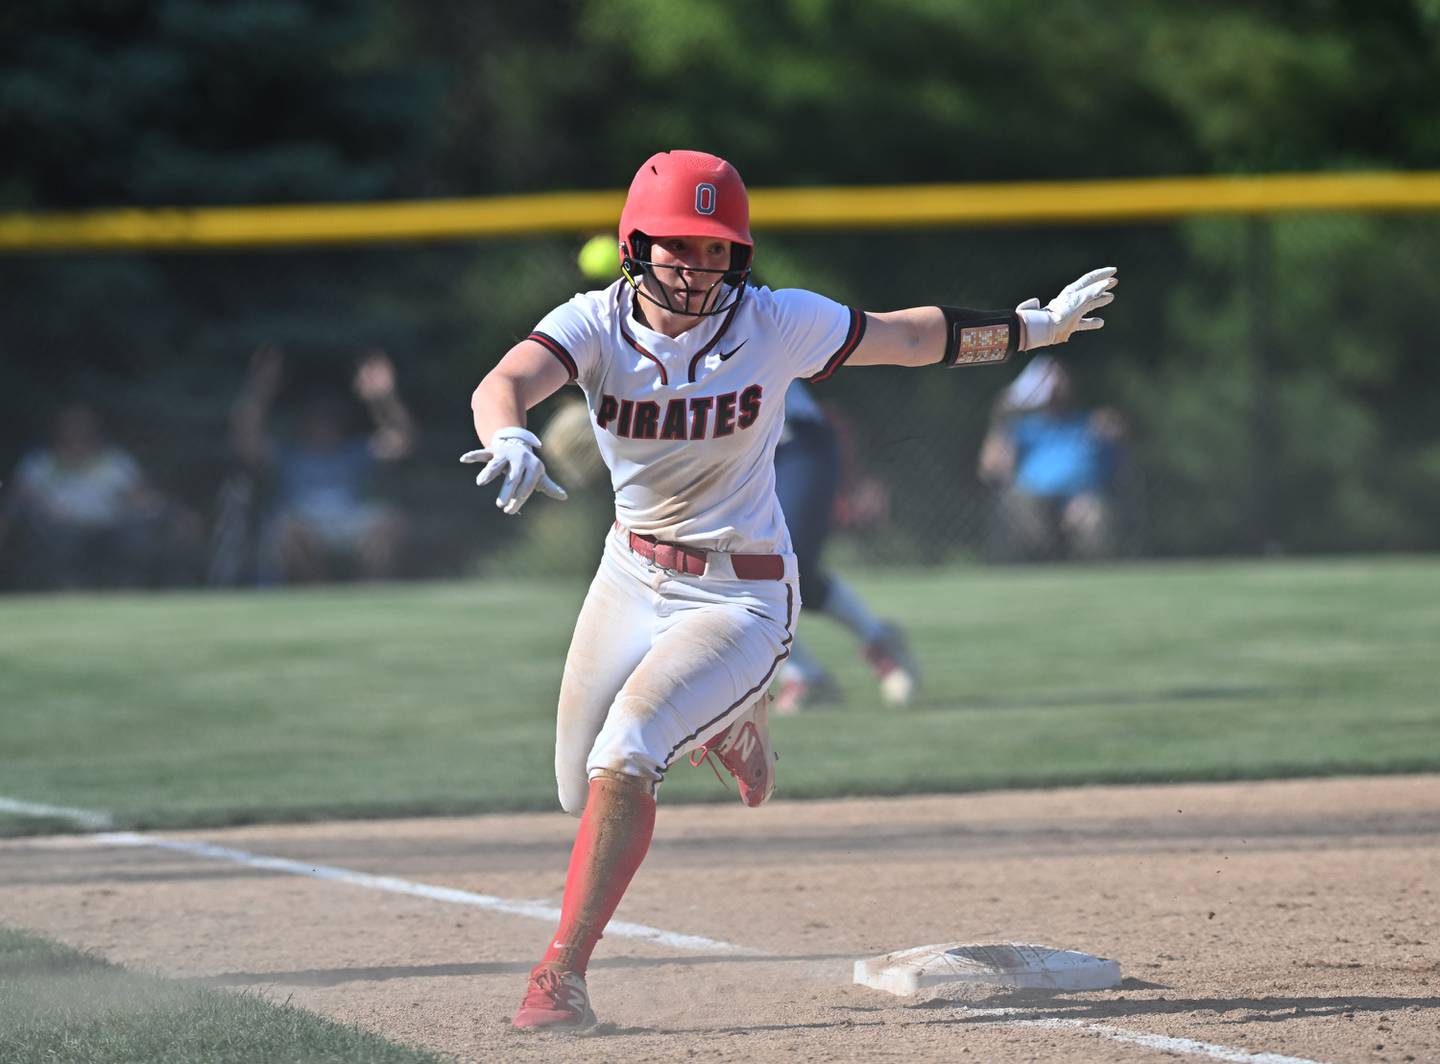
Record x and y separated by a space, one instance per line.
716 290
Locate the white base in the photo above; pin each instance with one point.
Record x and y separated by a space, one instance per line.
1014 964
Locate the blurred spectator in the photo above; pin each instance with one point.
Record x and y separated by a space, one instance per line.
318 521
862 500
1055 466
80 513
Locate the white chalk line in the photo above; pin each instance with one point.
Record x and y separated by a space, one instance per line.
621 929
534 910
85 818
1162 1042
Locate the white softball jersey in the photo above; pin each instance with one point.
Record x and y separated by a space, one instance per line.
662 660
688 425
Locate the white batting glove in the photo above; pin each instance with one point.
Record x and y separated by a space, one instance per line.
512 452
1063 315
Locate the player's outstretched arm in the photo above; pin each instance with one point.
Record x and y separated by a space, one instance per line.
526 375
923 336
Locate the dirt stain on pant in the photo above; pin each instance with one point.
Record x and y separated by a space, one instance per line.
658 664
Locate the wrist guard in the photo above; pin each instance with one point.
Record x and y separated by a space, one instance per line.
978 336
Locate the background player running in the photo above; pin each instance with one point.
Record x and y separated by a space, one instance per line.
692 610
807 477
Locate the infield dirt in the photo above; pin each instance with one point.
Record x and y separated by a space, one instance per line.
1296 917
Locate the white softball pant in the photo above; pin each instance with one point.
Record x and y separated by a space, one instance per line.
662 661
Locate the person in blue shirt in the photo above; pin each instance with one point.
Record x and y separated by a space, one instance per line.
1054 466
320 512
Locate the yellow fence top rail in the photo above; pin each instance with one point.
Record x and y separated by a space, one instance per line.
772 209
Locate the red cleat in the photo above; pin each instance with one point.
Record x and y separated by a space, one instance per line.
744 749
554 1001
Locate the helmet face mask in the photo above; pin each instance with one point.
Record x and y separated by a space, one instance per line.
637 263
686 193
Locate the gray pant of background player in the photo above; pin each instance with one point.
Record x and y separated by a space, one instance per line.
807 477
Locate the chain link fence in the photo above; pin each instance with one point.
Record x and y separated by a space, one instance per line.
1265 385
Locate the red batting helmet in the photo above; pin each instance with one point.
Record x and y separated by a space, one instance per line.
686 193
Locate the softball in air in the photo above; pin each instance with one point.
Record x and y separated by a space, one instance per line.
600 259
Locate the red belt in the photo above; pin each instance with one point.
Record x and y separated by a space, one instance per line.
690 561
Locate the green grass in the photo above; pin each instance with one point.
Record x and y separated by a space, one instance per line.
60 1005
203 709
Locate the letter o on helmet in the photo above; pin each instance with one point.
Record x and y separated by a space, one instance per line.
687 193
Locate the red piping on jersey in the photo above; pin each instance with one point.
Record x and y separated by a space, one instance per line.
713 340
556 348
664 378
784 653
619 299
852 341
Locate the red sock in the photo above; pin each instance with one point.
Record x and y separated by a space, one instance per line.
614 837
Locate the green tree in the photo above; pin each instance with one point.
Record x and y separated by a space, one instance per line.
1284 398
107 103
147 103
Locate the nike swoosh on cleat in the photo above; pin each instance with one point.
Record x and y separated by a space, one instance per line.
726 354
